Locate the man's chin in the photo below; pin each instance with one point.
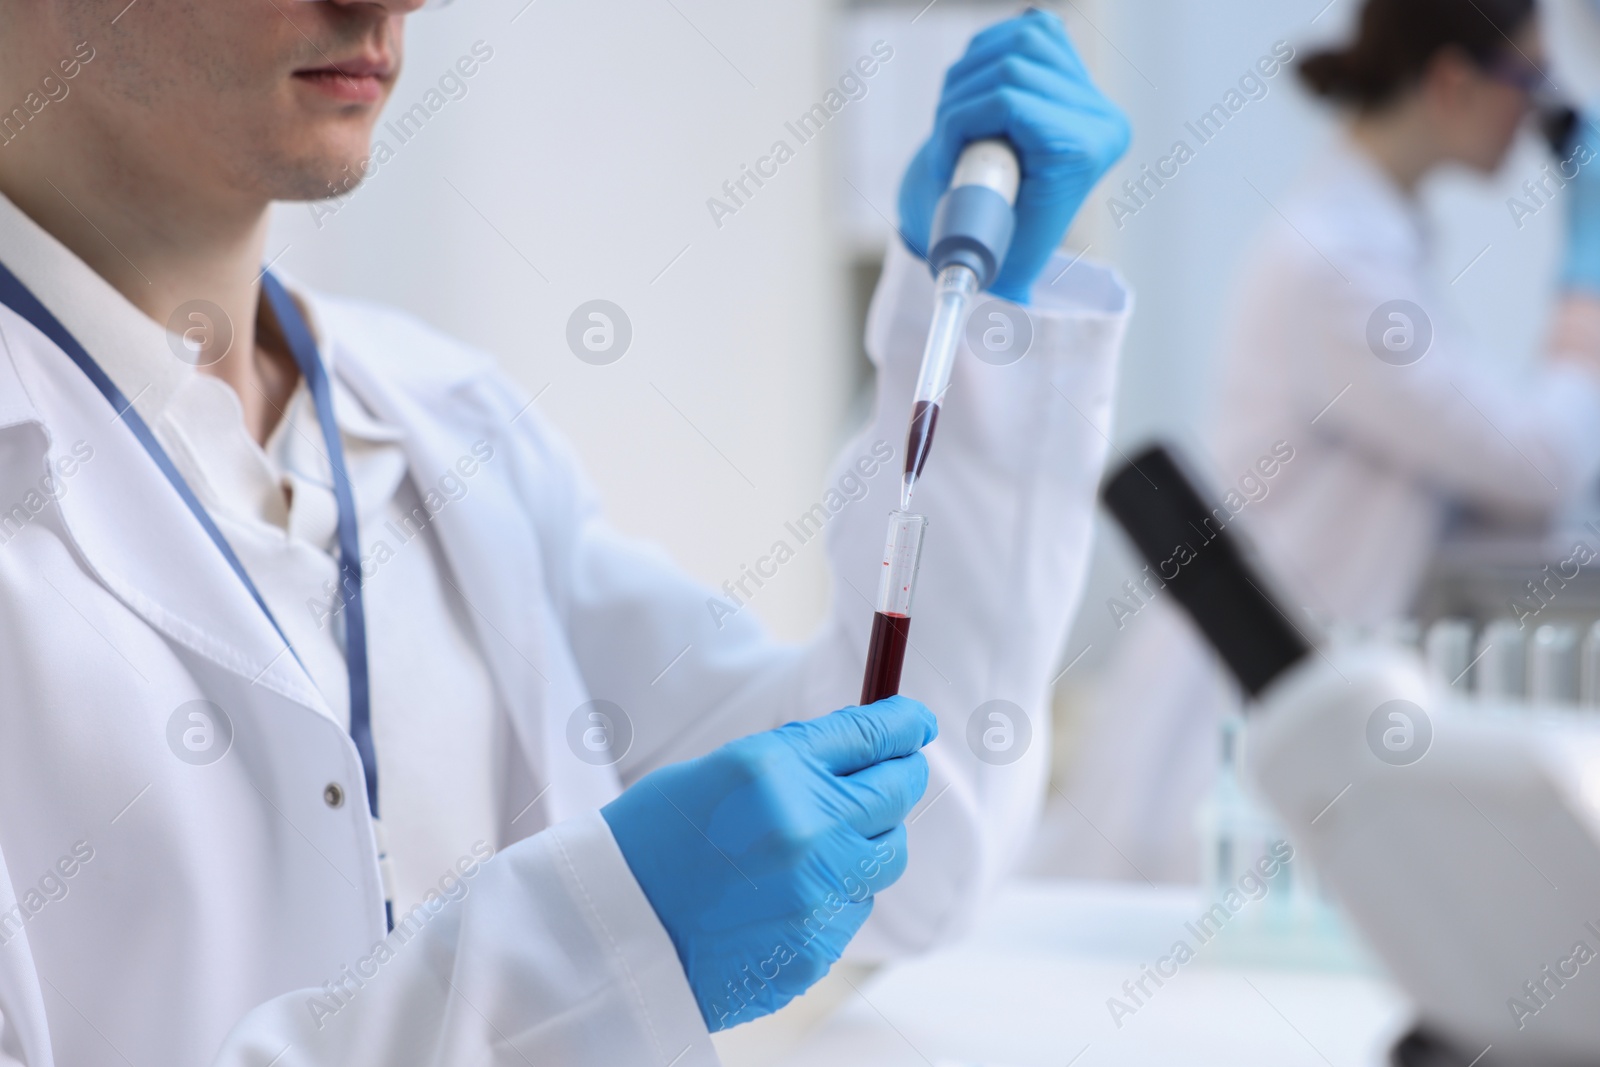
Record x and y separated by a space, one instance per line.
322 176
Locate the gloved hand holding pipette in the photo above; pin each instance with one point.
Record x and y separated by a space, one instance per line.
984 218
1574 337
1580 270
1023 80
1020 137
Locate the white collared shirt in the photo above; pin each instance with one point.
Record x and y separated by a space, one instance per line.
436 726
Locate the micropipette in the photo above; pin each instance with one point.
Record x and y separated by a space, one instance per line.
971 232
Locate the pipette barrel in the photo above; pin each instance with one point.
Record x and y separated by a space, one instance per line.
891 623
954 291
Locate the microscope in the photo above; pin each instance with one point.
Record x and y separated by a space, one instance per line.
1460 837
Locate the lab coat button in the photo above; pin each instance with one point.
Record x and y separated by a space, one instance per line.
333 795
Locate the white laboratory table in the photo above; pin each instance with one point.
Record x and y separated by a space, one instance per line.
1029 989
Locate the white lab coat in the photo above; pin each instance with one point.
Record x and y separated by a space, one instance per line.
219 902
1381 455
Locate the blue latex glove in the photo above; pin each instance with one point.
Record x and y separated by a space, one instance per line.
1022 79
1581 270
762 858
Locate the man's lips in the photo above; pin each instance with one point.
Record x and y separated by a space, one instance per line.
357 80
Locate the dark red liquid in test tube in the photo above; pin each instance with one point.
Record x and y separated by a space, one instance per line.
886 654
891 624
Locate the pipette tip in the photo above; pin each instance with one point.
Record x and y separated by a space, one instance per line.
906 482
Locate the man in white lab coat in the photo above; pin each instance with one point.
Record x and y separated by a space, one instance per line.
204 707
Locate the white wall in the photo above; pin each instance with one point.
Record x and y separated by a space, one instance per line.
585 151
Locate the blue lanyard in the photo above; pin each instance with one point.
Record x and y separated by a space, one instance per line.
303 348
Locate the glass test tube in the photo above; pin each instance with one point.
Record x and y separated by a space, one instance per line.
891 624
1449 652
1589 669
1553 665
1501 671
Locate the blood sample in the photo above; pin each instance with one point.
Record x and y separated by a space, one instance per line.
919 438
891 624
954 290
885 656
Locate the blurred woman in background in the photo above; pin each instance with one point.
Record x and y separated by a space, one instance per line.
1344 355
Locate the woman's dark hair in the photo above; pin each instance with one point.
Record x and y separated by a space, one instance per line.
1398 39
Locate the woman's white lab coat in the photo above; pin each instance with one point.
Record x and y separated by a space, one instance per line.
157 912
1381 454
